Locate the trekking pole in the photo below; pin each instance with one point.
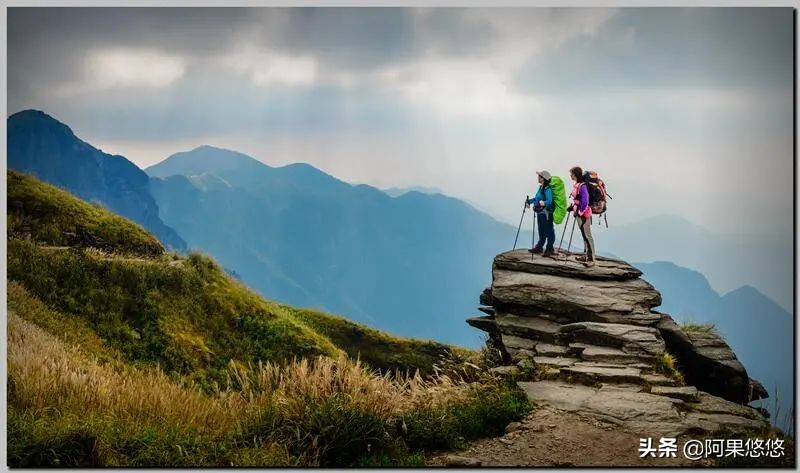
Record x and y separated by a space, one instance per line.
525 206
571 232
533 233
563 232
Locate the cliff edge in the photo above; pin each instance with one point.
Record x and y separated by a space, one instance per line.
592 343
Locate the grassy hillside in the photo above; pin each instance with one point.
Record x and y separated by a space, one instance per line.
160 308
54 217
122 354
379 349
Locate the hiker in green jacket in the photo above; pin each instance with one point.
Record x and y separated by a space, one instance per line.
543 205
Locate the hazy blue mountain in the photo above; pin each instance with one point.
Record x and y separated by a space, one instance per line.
728 261
413 265
759 330
398 191
42 146
687 293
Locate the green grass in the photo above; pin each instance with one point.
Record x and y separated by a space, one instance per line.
130 309
665 364
689 326
485 413
190 318
54 217
73 330
93 440
162 308
378 349
66 410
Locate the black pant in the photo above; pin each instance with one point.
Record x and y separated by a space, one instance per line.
585 224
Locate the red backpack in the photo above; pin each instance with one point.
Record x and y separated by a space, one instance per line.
597 193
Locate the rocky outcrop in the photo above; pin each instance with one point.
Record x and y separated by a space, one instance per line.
709 363
574 297
654 413
595 342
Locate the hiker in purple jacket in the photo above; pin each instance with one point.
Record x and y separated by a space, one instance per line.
583 214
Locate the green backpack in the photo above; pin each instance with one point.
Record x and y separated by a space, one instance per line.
559 199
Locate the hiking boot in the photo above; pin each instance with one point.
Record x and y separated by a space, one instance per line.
588 263
536 251
549 252
580 258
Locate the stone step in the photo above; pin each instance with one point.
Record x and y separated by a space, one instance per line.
684 393
605 354
645 413
631 339
593 374
536 328
554 361
518 355
548 349
518 348
656 379
636 388
514 342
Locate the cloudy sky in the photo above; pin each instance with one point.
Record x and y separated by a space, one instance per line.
683 111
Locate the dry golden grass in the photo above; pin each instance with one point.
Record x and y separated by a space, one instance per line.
386 395
46 374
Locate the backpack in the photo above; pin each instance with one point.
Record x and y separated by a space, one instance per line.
559 199
597 192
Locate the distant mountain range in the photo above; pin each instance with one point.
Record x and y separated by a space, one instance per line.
413 265
760 332
727 260
398 191
46 148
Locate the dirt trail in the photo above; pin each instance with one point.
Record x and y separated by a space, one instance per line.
103 256
549 437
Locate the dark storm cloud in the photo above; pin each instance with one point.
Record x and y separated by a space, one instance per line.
185 30
673 47
47 48
355 38
453 32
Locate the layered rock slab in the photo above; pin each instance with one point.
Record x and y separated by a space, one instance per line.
597 326
630 339
604 268
645 413
564 295
709 363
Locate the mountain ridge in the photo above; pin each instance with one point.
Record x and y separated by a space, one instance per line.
39 144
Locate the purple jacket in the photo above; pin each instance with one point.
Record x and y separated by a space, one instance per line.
580 199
